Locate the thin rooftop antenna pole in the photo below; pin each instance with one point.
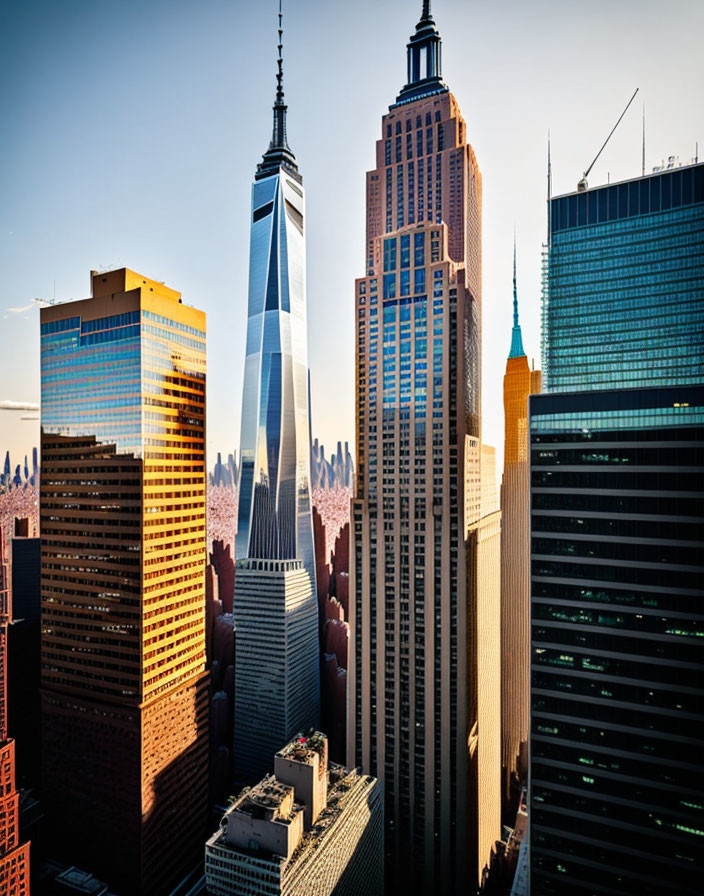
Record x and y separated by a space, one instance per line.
582 185
549 193
643 169
515 291
280 73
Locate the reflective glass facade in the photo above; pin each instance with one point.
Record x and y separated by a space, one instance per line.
275 519
617 678
124 690
624 284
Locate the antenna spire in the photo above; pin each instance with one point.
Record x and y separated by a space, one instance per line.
280 72
516 337
279 152
643 166
426 14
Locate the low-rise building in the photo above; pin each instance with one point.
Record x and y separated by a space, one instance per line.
310 829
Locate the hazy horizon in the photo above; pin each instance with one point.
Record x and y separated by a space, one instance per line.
133 133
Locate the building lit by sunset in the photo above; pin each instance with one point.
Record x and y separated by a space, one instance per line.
275 605
423 693
124 690
519 382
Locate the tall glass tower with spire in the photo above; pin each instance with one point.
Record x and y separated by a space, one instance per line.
275 607
274 520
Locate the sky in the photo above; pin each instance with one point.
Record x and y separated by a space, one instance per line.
132 130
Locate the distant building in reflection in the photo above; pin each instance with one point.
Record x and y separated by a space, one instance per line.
124 686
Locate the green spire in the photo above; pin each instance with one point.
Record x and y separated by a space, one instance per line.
516 338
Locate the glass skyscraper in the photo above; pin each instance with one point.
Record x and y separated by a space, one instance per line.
275 605
617 687
624 290
616 795
122 502
275 513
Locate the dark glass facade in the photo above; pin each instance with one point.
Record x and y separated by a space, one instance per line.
617 684
624 284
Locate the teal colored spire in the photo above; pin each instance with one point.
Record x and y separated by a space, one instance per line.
516 338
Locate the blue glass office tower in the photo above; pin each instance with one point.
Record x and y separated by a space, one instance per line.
624 291
274 518
616 791
275 605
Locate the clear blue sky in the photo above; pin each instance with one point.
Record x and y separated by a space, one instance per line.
132 129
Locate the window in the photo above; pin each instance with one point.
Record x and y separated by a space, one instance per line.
418 248
390 286
406 250
419 281
389 255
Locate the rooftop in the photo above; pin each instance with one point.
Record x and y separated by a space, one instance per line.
302 748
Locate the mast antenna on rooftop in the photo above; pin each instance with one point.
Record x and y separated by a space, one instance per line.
582 185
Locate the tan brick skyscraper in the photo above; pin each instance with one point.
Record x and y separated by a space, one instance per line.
14 856
519 382
423 575
124 686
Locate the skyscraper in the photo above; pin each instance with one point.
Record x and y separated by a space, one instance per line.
275 515
14 856
124 688
415 668
623 297
275 570
519 382
616 793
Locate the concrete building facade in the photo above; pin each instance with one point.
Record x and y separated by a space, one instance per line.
310 829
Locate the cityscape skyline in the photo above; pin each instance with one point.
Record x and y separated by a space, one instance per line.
197 237
232 661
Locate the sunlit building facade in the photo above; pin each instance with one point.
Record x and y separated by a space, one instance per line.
416 670
519 382
124 689
275 511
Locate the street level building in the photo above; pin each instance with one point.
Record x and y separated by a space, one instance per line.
310 829
415 711
124 686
